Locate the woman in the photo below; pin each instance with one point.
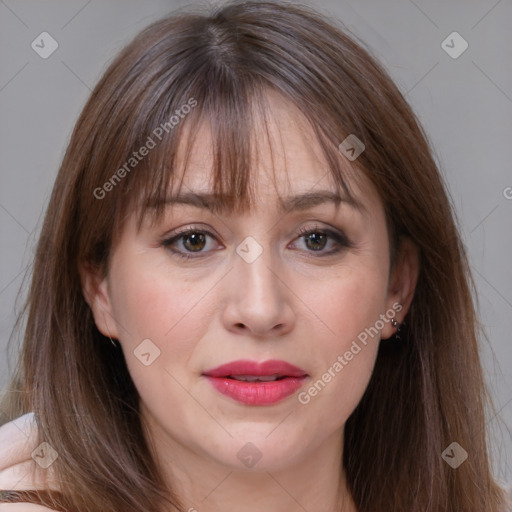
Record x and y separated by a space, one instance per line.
249 291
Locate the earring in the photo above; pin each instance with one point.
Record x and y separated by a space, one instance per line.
114 341
398 327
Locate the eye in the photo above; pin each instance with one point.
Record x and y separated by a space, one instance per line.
192 239
317 238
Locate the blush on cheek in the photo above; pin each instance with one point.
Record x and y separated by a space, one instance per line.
148 309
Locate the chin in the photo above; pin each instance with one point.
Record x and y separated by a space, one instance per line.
260 451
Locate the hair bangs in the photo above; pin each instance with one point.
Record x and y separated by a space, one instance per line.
224 109
228 87
235 122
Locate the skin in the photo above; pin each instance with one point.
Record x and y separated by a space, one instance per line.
291 303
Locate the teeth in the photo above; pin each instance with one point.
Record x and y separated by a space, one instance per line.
252 378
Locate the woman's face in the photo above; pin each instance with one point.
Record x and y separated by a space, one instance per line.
254 289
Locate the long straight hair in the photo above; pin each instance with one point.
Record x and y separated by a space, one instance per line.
424 393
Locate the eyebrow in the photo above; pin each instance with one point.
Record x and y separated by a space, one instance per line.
299 202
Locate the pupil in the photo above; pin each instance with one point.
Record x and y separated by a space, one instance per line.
195 237
316 236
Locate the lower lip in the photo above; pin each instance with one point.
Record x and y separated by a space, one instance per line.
257 393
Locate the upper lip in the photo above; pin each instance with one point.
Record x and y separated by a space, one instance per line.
257 369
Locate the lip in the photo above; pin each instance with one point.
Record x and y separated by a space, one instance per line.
291 378
248 367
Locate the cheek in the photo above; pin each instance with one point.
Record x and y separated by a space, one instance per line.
346 351
150 304
160 316
350 301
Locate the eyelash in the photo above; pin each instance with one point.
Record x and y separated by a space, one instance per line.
340 238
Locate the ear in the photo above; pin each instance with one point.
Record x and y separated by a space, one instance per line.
96 293
402 283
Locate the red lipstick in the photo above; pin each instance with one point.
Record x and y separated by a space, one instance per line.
254 383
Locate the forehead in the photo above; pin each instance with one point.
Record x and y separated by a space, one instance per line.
286 157
284 167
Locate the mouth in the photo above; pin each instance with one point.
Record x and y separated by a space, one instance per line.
254 378
253 383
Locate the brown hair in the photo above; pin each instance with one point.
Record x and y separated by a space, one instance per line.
423 394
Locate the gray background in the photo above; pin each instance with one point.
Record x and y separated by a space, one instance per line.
465 105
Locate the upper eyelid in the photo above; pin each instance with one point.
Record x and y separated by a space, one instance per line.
193 229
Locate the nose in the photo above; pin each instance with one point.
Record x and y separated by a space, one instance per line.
258 301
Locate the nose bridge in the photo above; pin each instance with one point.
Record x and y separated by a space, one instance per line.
255 269
257 298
